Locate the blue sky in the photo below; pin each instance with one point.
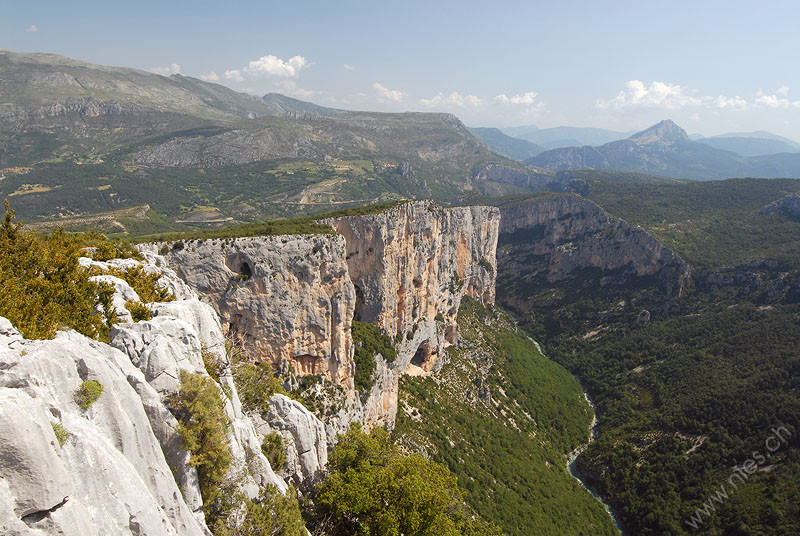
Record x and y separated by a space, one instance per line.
711 66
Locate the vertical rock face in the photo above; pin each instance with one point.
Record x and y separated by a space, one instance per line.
292 299
288 298
417 260
411 266
551 239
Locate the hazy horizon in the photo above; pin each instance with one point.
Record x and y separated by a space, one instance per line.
713 68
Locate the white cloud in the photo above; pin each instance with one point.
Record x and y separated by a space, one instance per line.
166 71
210 77
349 67
274 66
453 99
234 74
386 94
734 103
525 98
657 95
289 87
779 99
32 28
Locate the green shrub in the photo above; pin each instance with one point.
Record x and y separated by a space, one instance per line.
272 513
138 310
212 363
369 340
43 288
256 383
141 281
274 449
88 393
106 248
486 265
61 433
374 489
202 427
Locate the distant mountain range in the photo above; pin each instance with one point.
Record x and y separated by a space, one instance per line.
756 143
515 148
78 139
555 137
752 143
666 150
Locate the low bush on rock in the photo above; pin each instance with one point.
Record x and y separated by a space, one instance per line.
88 393
202 427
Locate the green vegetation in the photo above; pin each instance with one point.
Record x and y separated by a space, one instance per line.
202 427
256 382
372 489
683 400
274 449
88 393
212 363
138 310
503 418
295 226
62 436
710 224
42 286
369 340
272 513
144 283
697 385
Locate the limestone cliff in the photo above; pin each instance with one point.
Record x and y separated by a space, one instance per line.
566 238
122 467
411 266
287 298
292 299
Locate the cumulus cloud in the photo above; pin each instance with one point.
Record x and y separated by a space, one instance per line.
166 71
349 67
32 28
234 74
732 103
525 98
210 77
289 87
453 99
274 66
386 94
779 99
656 95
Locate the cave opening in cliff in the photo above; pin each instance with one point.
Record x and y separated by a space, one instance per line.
245 270
359 304
424 356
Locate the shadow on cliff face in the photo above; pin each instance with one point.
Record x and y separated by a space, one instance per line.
564 264
425 356
359 308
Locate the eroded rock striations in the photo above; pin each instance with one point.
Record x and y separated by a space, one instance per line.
122 468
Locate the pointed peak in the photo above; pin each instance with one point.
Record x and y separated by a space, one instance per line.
665 132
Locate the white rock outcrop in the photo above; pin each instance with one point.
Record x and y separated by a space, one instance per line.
111 476
303 434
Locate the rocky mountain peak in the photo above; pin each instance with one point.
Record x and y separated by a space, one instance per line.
665 133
